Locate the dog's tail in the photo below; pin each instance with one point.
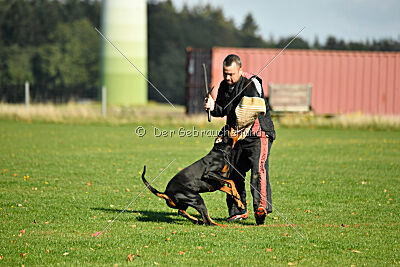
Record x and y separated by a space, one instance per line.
156 192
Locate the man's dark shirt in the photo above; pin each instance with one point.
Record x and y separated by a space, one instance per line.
225 95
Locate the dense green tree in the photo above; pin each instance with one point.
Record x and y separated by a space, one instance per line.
248 33
298 43
51 44
333 44
19 64
316 44
79 47
249 26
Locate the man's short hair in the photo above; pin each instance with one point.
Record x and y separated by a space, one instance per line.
232 58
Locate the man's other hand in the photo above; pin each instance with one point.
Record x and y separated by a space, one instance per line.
209 103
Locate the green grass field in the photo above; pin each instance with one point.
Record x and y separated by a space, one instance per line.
340 188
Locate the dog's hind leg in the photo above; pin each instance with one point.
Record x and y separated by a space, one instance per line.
194 220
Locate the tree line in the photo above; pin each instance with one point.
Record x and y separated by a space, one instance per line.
53 45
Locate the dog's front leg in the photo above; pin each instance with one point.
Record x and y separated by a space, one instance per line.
231 190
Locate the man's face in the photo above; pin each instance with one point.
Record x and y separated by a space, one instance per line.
232 73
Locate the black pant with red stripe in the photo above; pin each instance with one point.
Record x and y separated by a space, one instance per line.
251 153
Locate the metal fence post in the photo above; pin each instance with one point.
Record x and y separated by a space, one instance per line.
26 95
103 101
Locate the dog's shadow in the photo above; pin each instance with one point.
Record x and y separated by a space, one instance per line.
157 216
146 215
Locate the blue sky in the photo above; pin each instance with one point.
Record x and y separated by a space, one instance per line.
351 20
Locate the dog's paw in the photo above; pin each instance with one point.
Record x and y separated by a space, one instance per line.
199 222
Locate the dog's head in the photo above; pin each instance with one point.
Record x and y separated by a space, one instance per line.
223 143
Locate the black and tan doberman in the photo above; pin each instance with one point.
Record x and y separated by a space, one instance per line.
205 175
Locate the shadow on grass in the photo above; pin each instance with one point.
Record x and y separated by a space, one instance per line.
161 216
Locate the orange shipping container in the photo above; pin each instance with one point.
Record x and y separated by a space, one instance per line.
342 81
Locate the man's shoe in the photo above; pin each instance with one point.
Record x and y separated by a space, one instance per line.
238 217
260 215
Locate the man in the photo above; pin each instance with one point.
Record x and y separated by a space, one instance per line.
252 152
